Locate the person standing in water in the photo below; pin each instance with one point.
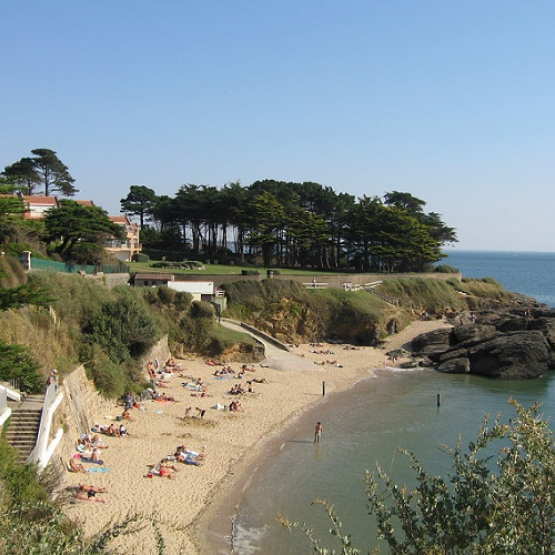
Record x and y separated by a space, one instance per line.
318 432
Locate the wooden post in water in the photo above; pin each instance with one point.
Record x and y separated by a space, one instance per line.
438 399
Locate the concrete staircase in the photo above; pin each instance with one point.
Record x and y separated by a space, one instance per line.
24 425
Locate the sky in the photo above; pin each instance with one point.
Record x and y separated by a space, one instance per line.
450 101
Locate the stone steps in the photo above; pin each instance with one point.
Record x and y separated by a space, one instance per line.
24 424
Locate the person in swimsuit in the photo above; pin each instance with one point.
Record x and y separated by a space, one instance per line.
318 432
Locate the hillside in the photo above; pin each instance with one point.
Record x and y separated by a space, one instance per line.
112 330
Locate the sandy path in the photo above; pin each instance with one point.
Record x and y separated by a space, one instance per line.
231 441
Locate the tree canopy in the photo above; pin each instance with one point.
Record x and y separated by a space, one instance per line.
140 202
295 225
43 170
73 225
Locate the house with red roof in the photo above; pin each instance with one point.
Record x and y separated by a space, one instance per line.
36 206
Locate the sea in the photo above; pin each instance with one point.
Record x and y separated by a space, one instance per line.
419 410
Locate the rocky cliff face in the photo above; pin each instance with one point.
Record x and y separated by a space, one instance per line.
506 345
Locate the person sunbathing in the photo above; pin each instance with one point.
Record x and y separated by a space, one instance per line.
171 365
182 449
163 398
89 496
247 368
236 406
126 415
163 469
259 380
94 489
183 455
75 466
95 441
112 431
93 458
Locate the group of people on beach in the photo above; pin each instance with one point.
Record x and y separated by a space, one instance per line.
89 450
89 447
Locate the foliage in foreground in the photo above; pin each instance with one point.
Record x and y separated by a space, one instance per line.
476 509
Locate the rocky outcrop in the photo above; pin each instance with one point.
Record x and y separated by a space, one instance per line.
504 346
516 355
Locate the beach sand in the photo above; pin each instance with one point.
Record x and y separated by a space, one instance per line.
174 509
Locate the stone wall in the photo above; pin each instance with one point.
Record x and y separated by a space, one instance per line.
80 405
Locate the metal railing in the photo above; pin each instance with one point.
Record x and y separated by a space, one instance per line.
43 450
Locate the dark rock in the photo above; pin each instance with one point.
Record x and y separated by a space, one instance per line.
425 363
436 341
517 355
543 313
457 365
408 365
472 332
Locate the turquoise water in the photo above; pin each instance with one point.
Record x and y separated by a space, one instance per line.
362 427
367 424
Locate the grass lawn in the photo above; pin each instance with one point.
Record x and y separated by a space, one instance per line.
219 269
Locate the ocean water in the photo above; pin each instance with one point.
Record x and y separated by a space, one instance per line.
365 426
530 273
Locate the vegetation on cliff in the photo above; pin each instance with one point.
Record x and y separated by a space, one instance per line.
290 312
107 330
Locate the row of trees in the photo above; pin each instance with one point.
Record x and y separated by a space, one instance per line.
281 223
293 224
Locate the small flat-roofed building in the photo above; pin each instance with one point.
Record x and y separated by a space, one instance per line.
200 290
152 279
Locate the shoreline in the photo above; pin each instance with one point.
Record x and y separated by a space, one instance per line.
213 531
236 444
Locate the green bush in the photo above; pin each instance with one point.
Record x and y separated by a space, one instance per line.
446 269
166 294
124 327
201 309
141 257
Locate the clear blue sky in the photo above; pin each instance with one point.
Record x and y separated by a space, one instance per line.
451 101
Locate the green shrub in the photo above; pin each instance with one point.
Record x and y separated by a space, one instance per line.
166 294
446 269
108 376
124 327
141 257
201 309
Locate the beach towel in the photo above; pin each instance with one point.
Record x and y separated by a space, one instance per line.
98 469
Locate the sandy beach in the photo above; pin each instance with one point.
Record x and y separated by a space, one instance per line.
231 441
